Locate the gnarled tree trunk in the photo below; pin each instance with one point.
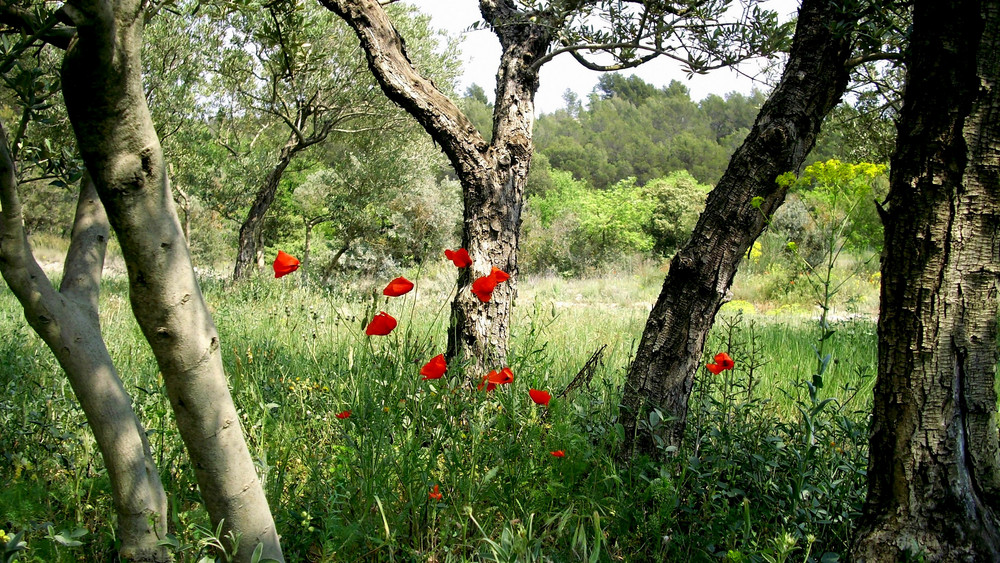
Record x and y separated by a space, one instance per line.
493 175
934 466
662 374
67 320
102 86
250 231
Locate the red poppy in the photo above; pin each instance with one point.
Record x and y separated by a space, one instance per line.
435 368
435 493
343 415
397 287
505 376
558 453
714 368
724 361
487 380
460 257
381 325
483 287
285 264
499 275
540 397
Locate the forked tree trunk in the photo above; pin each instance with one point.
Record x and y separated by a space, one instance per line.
934 472
250 231
669 354
67 321
493 175
102 86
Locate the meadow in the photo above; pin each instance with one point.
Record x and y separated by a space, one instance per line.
771 470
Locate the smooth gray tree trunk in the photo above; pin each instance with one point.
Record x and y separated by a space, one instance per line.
102 86
67 321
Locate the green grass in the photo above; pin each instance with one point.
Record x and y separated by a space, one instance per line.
348 489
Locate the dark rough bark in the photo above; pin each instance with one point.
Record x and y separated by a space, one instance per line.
493 175
102 86
67 321
701 273
934 484
250 230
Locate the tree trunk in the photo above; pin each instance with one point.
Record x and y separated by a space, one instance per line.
250 231
493 199
104 97
669 354
934 483
493 175
68 322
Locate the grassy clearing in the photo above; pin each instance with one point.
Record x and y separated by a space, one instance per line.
767 471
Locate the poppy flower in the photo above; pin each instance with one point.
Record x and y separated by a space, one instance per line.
540 397
435 493
381 325
460 257
397 287
499 275
724 361
343 415
285 264
483 287
558 453
716 369
505 376
435 368
487 381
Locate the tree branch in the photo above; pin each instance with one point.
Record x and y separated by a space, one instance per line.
401 82
85 258
29 24
872 57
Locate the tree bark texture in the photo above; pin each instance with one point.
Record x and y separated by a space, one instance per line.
250 230
701 273
493 175
106 104
934 468
67 321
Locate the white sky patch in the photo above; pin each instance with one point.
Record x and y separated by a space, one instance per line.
481 57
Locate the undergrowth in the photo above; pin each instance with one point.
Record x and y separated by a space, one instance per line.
770 469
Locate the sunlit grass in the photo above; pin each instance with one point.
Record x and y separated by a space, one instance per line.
357 488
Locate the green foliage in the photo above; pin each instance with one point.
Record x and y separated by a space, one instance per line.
572 227
635 129
297 355
679 200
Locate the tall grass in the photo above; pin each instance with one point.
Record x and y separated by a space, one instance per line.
756 478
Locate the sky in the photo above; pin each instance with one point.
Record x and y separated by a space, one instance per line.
481 55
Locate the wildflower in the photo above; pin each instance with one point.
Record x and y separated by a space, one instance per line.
540 397
722 363
558 453
505 376
435 493
285 264
397 287
724 360
486 379
381 325
483 287
343 415
435 368
460 257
